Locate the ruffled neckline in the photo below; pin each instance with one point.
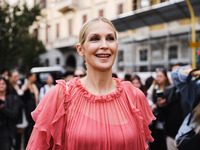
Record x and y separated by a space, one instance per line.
100 98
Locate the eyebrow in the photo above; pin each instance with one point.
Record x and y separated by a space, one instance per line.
99 34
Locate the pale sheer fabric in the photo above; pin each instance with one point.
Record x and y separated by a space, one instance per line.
74 119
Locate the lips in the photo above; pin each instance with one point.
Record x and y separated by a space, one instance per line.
103 55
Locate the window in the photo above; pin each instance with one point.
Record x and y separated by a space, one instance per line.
47 62
135 5
120 60
57 30
57 61
70 26
47 35
35 33
143 68
101 13
143 55
35 2
120 9
173 52
44 3
84 18
157 54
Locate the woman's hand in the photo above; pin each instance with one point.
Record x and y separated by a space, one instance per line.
153 107
161 101
1 106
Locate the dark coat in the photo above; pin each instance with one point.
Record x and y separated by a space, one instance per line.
11 112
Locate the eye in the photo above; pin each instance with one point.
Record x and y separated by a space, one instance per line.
110 38
94 38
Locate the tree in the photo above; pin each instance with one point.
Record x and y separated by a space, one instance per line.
18 48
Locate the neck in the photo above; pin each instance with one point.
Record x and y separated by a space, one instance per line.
162 86
2 93
99 83
49 84
29 82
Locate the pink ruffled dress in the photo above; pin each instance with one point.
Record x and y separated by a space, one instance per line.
74 119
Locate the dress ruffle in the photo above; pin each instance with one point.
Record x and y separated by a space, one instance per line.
50 115
48 119
141 112
103 98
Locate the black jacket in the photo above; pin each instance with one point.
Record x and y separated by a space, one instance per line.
10 113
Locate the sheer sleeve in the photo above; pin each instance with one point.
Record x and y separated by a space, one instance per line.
49 119
141 111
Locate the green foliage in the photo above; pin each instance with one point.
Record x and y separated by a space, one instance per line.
18 48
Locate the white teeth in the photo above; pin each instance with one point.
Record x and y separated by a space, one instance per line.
102 55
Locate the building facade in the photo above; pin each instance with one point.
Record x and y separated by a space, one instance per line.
145 42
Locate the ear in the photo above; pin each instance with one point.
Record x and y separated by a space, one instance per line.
80 49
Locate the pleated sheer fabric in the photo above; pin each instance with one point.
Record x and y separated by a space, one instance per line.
75 119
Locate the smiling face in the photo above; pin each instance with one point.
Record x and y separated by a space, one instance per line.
100 46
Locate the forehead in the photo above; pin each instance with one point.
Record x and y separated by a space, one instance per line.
15 73
160 73
103 28
2 81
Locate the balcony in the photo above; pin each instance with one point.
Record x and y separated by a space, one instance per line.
65 42
66 5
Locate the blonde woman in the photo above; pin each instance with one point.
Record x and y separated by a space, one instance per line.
97 111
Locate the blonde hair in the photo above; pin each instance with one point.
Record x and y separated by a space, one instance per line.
85 26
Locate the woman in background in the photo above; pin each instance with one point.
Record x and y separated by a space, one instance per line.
30 100
9 113
155 95
136 81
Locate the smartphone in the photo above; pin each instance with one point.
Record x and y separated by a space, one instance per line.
160 93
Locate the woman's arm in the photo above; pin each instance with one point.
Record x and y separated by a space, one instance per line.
189 90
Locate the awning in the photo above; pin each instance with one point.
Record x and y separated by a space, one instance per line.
160 13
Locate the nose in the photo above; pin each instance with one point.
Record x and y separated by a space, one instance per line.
104 44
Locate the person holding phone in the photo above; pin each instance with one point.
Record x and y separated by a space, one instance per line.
156 95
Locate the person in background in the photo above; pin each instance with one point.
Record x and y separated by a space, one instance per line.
30 100
155 93
127 77
114 75
136 81
79 72
49 84
18 92
188 82
13 79
68 76
9 114
4 72
175 110
97 111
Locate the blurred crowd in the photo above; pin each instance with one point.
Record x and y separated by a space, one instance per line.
173 102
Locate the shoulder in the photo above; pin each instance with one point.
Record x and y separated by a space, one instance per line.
128 87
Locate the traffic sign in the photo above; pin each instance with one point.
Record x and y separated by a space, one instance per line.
194 44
